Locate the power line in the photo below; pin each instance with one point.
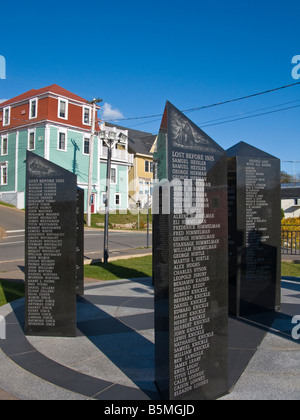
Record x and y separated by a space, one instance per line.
252 116
211 105
248 112
231 116
201 108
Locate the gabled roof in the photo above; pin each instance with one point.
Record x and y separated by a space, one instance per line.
58 90
139 142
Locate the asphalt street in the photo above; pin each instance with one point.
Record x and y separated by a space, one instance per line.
12 219
12 247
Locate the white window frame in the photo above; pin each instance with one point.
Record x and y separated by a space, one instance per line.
147 187
90 115
65 132
2 168
60 100
31 117
115 168
8 108
2 142
84 139
118 195
141 192
28 140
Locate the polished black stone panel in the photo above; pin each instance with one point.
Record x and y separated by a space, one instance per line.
80 243
190 264
50 249
254 230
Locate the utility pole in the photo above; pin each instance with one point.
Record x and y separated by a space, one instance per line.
111 137
107 198
91 153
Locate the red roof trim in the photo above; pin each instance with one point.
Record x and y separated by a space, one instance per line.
55 89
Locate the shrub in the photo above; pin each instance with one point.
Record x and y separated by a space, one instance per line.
291 224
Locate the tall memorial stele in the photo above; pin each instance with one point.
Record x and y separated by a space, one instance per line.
80 243
50 249
190 250
254 230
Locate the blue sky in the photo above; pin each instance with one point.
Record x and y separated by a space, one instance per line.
136 55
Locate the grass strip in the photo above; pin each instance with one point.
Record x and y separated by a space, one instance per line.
10 291
121 269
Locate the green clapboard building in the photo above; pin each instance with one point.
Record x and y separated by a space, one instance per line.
56 125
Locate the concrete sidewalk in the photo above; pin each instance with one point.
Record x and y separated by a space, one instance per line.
274 370
112 357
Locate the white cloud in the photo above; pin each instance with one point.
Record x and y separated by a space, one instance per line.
2 100
109 113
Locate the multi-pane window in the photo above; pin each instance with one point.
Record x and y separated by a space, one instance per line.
147 188
86 115
63 109
113 175
6 116
86 146
148 166
31 140
117 199
4 174
33 108
4 145
141 187
62 141
151 188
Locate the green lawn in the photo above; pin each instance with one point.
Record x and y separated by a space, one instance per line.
142 267
10 291
121 269
290 269
2 203
120 219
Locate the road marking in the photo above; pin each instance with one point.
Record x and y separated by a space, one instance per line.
11 243
11 261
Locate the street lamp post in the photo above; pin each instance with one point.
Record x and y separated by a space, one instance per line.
111 137
91 157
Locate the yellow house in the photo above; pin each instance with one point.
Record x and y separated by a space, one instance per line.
140 188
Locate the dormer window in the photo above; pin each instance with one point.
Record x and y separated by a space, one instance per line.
86 115
6 116
63 109
33 108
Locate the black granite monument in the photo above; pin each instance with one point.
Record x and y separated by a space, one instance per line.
50 250
190 264
254 230
80 243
